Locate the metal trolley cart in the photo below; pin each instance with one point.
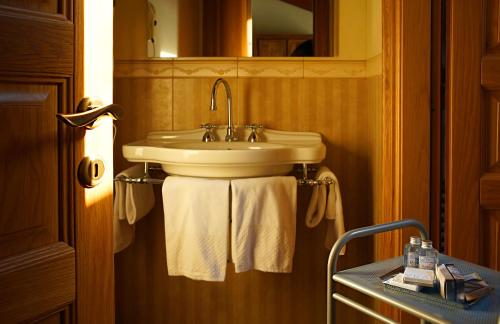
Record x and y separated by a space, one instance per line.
366 279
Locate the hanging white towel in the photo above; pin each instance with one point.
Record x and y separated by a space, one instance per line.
196 227
131 203
123 233
263 223
326 202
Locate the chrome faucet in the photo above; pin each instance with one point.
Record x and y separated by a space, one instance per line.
230 133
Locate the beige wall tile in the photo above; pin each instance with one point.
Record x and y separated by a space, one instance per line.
270 68
148 107
205 68
159 68
325 68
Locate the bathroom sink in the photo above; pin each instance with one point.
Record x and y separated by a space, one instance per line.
184 153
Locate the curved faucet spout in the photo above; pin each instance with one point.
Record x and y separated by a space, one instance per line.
230 133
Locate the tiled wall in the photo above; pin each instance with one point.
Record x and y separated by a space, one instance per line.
342 100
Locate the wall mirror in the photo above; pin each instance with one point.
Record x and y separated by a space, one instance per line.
244 28
208 28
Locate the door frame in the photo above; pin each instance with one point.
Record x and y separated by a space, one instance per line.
406 48
95 295
463 130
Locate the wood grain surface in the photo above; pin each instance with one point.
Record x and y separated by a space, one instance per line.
463 130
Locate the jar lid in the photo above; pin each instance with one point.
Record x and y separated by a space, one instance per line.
426 244
415 240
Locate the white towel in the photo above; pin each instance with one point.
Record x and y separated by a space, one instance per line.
196 227
263 223
123 233
131 203
328 206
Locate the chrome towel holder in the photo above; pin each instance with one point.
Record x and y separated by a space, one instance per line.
148 179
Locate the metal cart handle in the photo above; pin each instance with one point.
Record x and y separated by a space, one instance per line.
361 232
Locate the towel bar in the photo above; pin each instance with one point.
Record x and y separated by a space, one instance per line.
147 179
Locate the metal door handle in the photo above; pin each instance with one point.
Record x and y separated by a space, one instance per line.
88 113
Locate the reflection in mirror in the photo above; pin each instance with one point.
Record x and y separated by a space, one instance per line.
282 28
193 28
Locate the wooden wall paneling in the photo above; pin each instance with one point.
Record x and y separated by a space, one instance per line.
463 130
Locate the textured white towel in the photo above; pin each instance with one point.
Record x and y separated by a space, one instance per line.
131 203
196 227
263 223
123 233
328 205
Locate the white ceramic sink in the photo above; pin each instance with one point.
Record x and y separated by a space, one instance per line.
183 153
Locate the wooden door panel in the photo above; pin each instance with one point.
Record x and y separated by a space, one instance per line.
29 161
37 257
492 24
48 6
36 282
490 72
490 179
491 238
35 43
492 114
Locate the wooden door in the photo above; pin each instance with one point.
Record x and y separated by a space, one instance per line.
472 132
56 262
490 178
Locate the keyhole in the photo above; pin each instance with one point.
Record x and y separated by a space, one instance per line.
96 170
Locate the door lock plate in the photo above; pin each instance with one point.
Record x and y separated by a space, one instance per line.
90 172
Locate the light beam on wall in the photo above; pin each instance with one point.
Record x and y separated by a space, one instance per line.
98 84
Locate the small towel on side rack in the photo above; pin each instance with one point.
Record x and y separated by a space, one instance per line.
263 223
131 203
326 202
123 232
196 227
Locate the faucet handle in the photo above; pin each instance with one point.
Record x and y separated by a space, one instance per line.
254 127
254 137
209 135
208 126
